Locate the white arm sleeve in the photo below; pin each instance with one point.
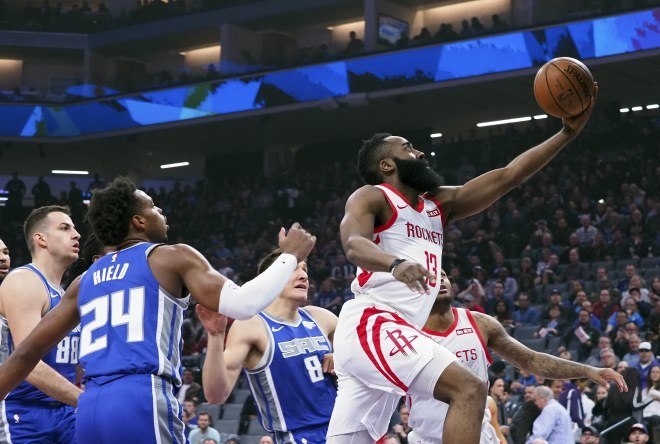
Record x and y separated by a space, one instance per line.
249 299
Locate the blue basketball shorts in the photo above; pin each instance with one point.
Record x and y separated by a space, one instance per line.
129 409
38 422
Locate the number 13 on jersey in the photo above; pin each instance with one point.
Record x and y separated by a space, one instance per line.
432 267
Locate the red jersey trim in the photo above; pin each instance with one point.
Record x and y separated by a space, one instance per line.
420 200
481 338
443 217
390 222
363 277
445 333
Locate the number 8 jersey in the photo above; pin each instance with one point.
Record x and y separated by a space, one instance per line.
129 324
289 387
412 233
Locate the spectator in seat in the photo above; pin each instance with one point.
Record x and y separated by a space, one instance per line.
624 282
646 362
584 336
204 430
524 314
632 357
553 324
189 388
575 270
605 307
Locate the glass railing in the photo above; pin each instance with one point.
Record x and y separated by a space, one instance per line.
603 37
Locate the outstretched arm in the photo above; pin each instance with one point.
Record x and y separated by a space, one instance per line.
481 192
48 333
541 364
216 292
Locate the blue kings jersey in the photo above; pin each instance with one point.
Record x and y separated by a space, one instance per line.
289 386
63 358
129 324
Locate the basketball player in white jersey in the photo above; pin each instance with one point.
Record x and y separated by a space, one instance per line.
393 230
469 335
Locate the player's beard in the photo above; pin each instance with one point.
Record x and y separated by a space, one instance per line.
417 174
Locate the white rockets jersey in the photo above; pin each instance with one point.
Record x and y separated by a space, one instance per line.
427 416
414 234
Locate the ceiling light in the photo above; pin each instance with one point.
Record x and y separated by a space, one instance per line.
432 153
174 165
436 135
654 106
624 110
505 121
4 199
540 116
636 108
71 172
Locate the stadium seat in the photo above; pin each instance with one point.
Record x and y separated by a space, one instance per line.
240 396
255 428
250 439
226 425
525 332
553 344
212 409
650 273
612 275
537 344
649 263
609 265
232 411
622 263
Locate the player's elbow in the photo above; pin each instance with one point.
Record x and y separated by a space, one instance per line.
217 395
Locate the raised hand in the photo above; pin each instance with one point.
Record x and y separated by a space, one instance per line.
214 322
297 242
603 376
573 125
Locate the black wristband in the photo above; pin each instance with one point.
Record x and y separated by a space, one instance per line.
395 263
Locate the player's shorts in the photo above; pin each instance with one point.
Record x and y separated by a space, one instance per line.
307 435
140 409
37 422
378 355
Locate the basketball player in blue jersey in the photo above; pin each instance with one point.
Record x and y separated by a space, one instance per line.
130 307
469 335
37 411
285 351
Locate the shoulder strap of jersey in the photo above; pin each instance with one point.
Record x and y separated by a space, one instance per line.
475 326
39 274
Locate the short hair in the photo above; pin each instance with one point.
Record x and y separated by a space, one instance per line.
542 391
207 414
111 210
268 260
37 216
369 155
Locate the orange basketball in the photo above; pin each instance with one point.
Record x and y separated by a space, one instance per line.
563 87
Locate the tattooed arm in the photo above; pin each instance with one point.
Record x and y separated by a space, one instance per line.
537 363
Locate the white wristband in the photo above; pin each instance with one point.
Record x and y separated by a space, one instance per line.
249 299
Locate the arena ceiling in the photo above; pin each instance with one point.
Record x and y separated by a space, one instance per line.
449 108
